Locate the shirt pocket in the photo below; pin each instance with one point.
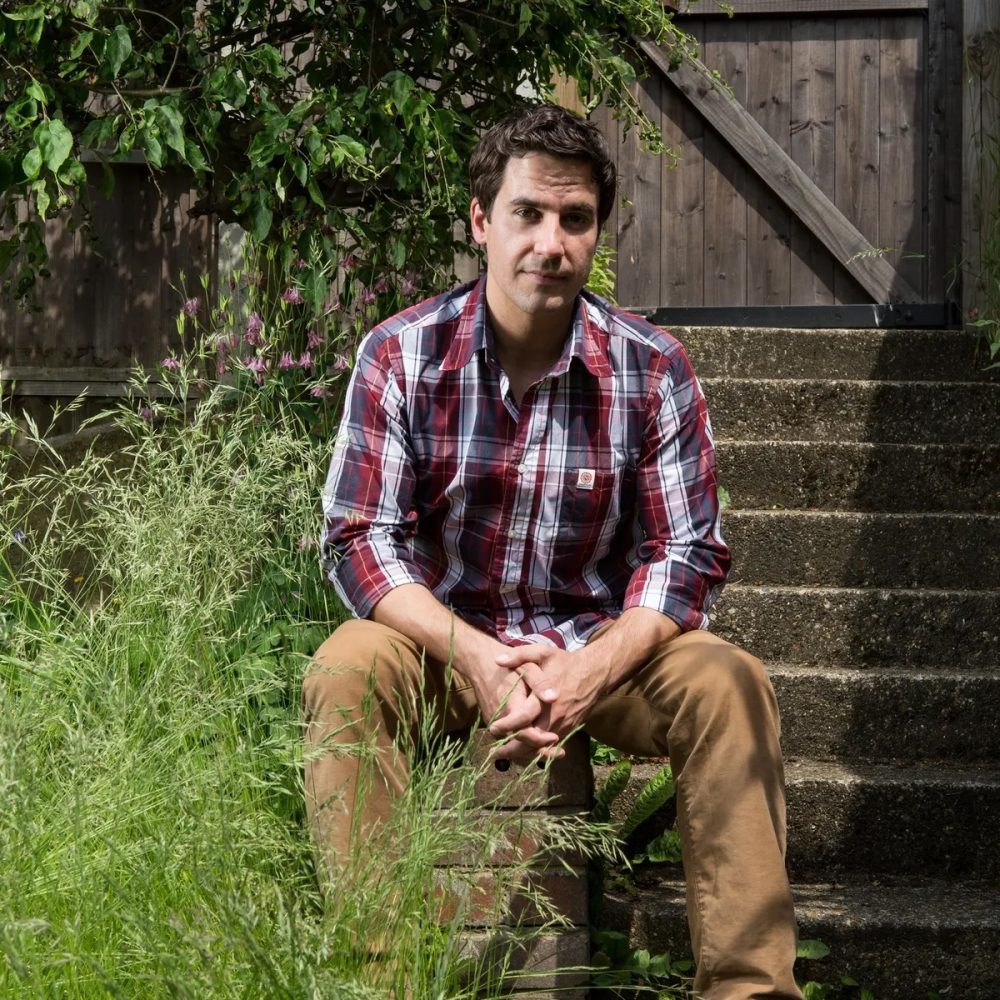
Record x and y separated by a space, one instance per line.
592 507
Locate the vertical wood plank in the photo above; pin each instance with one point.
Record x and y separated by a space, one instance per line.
903 143
601 117
950 265
980 120
769 45
682 246
725 176
639 217
814 101
937 132
857 168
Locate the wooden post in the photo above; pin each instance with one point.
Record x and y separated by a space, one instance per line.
981 156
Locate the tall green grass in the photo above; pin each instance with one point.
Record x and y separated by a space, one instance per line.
158 605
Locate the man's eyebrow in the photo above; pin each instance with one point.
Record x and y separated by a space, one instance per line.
579 206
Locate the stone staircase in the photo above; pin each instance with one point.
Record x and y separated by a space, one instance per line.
864 474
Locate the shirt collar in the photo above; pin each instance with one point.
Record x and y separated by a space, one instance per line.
588 341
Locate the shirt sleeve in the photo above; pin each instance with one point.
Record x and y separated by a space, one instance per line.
367 502
684 557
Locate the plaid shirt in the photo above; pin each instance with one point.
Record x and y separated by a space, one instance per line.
537 521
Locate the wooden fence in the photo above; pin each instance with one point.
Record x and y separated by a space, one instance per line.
830 174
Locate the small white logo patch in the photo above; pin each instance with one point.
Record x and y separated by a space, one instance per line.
585 479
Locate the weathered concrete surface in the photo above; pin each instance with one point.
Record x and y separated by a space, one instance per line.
888 714
816 410
855 627
932 355
857 476
901 939
852 549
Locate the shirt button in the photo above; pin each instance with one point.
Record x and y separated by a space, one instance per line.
511 533
522 469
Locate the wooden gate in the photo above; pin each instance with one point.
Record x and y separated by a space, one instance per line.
829 173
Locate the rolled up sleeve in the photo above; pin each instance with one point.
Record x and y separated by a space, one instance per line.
367 502
684 557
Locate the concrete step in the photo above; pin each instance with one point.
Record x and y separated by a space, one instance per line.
851 549
828 626
885 820
839 410
900 940
863 477
923 355
869 820
888 714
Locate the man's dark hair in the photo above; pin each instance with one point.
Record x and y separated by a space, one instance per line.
543 128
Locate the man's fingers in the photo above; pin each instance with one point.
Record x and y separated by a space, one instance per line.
516 656
538 683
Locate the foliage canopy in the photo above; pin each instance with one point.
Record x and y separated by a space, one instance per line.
341 127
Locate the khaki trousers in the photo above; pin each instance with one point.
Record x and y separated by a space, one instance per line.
702 701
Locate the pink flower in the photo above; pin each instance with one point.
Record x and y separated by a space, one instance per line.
260 367
254 325
221 368
315 340
191 307
146 413
350 262
320 392
409 285
171 364
381 286
286 361
341 363
306 361
292 296
367 296
300 265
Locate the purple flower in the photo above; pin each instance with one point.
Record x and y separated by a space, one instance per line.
172 364
367 296
254 326
286 361
320 392
146 413
221 368
260 367
341 363
292 296
20 536
300 265
306 361
409 285
315 340
191 307
350 262
381 286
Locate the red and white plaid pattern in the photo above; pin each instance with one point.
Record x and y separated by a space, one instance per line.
535 522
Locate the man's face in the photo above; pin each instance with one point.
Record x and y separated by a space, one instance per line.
540 239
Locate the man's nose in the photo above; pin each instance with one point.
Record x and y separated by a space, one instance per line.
549 238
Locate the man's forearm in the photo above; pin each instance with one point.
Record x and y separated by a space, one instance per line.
413 610
629 642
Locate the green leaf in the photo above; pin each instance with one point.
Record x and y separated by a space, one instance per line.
172 123
55 142
117 49
524 20
22 112
73 172
32 163
34 89
299 168
42 199
80 44
154 151
812 949
260 221
29 13
194 156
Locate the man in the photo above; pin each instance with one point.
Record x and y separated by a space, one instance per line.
524 485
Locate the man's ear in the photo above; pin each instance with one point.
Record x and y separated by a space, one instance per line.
478 221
